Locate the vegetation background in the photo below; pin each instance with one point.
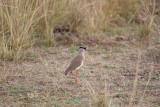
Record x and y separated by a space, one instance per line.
36 33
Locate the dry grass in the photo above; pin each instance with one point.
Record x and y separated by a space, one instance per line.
23 21
26 23
105 80
115 73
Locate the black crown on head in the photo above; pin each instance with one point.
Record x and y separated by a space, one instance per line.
82 47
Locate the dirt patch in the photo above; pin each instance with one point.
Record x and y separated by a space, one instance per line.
107 75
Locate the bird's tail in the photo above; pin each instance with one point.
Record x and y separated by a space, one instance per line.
66 71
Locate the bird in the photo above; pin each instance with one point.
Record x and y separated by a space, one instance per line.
77 62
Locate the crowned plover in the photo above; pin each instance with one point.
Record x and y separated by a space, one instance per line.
76 62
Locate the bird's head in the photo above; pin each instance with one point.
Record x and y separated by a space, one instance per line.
82 48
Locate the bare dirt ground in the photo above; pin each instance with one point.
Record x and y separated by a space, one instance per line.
107 78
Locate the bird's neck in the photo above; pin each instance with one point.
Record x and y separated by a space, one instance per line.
81 52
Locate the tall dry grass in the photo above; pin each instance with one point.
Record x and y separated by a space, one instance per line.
18 20
24 23
146 28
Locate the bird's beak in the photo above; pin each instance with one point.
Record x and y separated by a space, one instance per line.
86 49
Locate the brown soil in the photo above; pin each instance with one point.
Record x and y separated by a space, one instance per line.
108 73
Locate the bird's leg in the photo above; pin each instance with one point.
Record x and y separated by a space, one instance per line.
76 76
76 80
71 73
76 73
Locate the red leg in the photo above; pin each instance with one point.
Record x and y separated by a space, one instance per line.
71 73
76 80
76 73
76 76
73 76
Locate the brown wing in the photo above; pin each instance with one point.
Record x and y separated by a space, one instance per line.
76 62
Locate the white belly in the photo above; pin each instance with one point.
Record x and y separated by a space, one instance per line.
79 66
